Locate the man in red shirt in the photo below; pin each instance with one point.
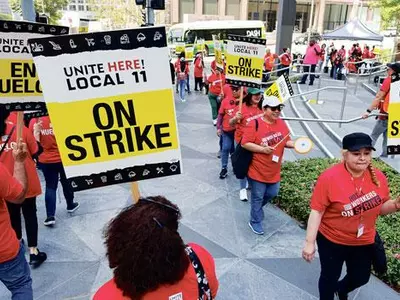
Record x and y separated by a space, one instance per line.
14 270
381 102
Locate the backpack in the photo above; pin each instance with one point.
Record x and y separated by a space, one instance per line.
241 159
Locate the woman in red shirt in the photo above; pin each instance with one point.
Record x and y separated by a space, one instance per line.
182 77
216 83
251 109
346 202
150 259
52 168
28 207
267 138
198 72
224 129
285 60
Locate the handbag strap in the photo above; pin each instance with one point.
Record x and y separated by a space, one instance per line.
7 140
204 288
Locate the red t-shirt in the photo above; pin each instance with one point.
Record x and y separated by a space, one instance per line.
198 68
285 59
384 106
336 194
249 113
10 189
7 158
227 109
50 152
215 83
266 167
187 287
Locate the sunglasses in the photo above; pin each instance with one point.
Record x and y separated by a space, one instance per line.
235 89
279 108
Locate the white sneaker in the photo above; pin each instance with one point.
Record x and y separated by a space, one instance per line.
243 195
215 122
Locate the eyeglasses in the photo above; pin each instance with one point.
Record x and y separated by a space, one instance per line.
159 203
235 89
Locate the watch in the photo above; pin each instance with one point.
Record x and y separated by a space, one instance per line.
369 111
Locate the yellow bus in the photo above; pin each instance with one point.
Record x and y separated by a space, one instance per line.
183 35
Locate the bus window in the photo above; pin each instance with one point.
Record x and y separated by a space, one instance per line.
190 37
176 35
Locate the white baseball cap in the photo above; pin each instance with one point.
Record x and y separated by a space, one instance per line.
271 101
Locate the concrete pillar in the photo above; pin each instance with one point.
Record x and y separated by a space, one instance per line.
175 11
28 11
316 15
286 21
198 7
321 16
354 10
221 7
244 9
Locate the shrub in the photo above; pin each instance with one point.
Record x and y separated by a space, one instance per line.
297 183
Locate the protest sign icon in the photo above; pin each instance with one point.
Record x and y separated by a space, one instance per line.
244 60
394 117
20 88
281 88
111 104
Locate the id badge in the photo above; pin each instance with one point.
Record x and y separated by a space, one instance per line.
275 158
360 231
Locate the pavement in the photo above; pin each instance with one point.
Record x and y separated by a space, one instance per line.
249 267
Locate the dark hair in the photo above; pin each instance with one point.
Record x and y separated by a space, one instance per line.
284 49
4 114
182 66
247 100
144 247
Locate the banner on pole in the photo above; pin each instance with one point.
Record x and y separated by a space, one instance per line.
19 84
394 118
281 88
111 104
244 60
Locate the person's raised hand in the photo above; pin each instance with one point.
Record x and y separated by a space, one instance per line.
20 151
365 115
268 150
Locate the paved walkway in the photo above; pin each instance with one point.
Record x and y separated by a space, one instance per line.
249 267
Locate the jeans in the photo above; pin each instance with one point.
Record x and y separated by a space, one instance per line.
261 194
380 127
16 276
52 172
312 76
332 256
242 182
182 84
227 144
31 223
187 84
214 105
336 69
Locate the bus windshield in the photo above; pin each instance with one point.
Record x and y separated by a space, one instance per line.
175 35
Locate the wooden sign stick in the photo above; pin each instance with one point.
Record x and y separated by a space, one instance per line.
135 192
241 99
20 125
281 140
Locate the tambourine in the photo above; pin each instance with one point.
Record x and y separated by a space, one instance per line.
303 145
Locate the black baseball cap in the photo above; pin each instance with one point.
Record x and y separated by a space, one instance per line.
356 141
395 67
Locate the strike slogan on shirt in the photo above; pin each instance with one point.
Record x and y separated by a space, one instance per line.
20 88
244 60
394 118
111 104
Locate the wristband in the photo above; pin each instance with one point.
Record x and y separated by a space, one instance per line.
369 111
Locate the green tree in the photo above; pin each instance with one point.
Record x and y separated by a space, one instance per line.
390 13
50 7
117 14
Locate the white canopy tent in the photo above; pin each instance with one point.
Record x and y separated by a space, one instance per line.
353 30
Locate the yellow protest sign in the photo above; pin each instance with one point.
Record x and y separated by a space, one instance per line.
244 60
281 88
219 61
201 45
20 88
189 52
111 105
394 118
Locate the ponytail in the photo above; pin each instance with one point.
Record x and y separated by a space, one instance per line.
374 178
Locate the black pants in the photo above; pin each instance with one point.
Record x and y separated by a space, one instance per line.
358 261
312 76
198 82
31 223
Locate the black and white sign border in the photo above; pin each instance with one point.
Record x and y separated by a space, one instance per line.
31 27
